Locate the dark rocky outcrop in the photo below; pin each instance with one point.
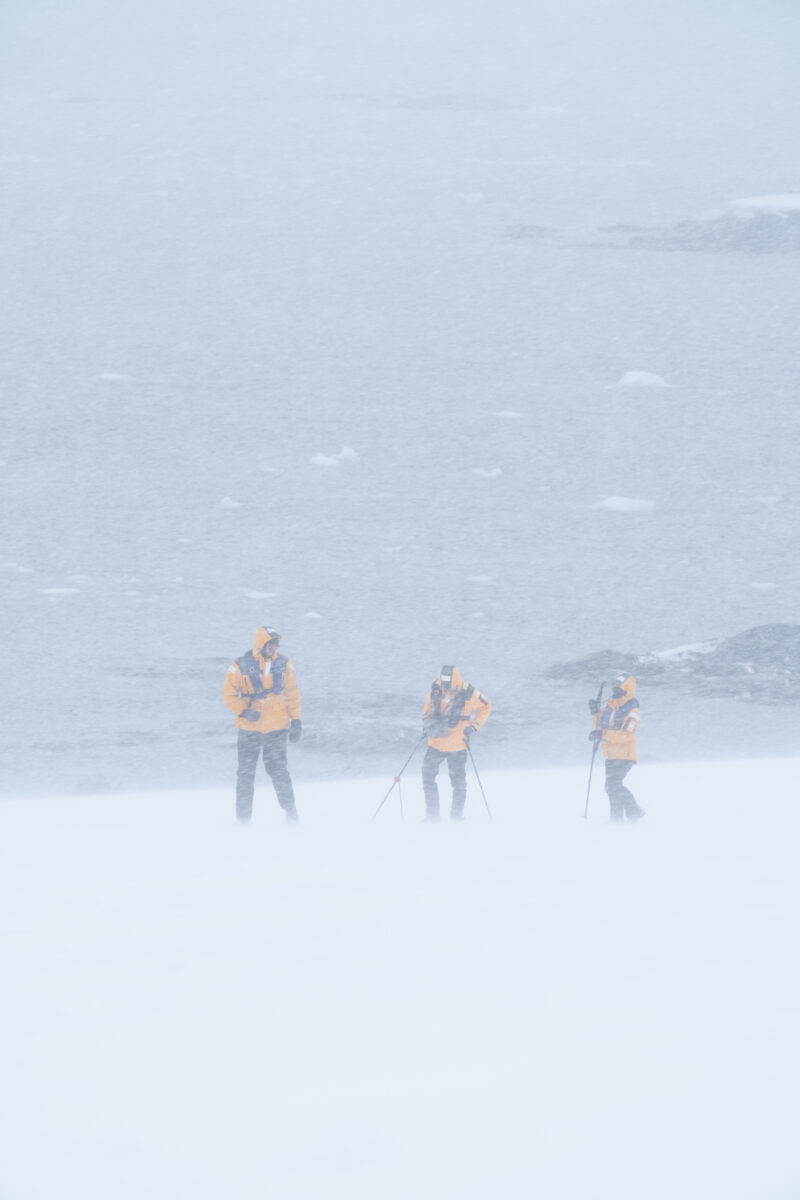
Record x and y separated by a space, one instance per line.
755 230
760 664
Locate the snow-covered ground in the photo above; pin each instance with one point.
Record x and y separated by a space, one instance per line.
534 1006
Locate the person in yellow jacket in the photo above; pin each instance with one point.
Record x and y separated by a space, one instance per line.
453 712
615 728
261 689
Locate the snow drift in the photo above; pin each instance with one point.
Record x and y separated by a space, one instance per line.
540 1005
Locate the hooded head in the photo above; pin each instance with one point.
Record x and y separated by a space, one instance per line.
449 679
266 641
623 687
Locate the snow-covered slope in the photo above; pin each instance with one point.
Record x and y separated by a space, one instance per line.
534 1006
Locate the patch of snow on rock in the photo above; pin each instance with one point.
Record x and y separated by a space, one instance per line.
780 204
763 587
228 503
681 652
641 379
487 474
346 454
623 504
767 499
249 594
64 591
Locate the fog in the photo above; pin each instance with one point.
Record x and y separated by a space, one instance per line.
241 239
423 333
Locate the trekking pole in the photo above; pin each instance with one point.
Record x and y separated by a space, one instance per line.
480 785
591 764
397 778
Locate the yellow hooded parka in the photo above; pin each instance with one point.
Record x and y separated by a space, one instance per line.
475 711
279 707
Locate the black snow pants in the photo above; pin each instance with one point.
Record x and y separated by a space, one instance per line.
621 799
272 747
457 766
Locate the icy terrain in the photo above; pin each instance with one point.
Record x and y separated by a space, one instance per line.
310 318
449 331
534 1006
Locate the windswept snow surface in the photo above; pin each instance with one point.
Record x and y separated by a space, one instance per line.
536 1006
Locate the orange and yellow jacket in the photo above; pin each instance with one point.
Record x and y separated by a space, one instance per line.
618 722
457 705
263 682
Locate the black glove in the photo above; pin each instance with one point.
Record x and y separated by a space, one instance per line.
596 735
295 729
250 714
594 706
468 732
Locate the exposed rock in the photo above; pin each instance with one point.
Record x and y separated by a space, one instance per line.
602 665
761 664
760 224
